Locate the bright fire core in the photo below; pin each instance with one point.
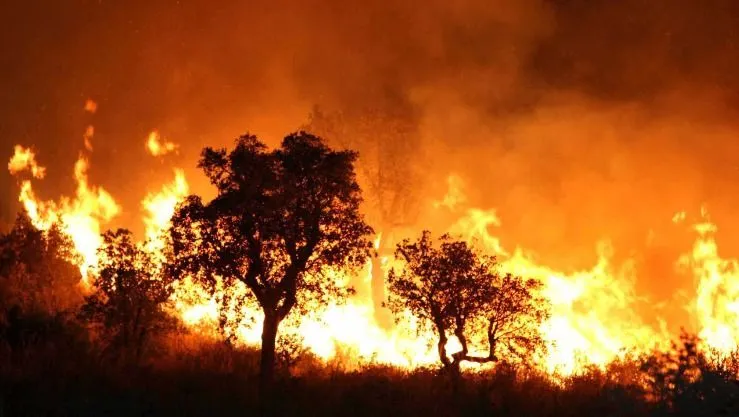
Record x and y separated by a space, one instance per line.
593 320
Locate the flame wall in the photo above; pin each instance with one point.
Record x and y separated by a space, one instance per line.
578 122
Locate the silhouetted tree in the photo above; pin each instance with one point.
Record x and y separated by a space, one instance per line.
37 268
39 282
128 297
458 292
280 219
389 147
684 381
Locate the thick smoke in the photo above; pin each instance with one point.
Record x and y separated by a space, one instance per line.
578 120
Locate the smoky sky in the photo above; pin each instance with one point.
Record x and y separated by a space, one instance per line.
577 119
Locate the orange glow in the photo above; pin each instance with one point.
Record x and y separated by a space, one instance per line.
158 146
81 216
89 133
593 320
159 207
91 106
716 307
25 159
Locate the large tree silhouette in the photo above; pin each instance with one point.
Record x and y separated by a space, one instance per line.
458 292
280 219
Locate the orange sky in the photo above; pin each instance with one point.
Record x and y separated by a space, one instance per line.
577 120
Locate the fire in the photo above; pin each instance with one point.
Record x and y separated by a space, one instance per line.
352 328
91 106
157 146
80 216
717 299
593 320
159 207
23 159
89 133
592 311
593 317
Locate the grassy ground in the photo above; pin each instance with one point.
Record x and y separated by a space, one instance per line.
215 380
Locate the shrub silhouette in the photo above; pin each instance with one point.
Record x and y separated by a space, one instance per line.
458 292
37 270
38 285
685 381
128 297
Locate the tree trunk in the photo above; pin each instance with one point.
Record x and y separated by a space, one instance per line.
450 368
267 361
441 345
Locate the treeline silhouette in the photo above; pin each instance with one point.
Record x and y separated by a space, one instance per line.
281 219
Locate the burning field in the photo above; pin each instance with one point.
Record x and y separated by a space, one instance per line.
583 153
595 312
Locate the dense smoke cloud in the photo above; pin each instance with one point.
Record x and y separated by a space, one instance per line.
578 120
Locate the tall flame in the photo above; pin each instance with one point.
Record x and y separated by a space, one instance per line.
80 216
25 159
717 296
159 207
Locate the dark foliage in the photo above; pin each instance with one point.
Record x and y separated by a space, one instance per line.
207 389
280 219
56 373
685 382
456 291
39 287
126 305
37 270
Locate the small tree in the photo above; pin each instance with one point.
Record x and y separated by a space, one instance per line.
279 220
689 379
38 281
458 292
128 298
37 270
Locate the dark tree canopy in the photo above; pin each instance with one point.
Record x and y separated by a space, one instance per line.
37 270
459 292
280 219
128 297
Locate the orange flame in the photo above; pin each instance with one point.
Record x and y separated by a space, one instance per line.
91 106
717 296
80 217
593 317
25 159
159 147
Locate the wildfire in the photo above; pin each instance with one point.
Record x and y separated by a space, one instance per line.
159 208
593 316
80 216
24 158
717 295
